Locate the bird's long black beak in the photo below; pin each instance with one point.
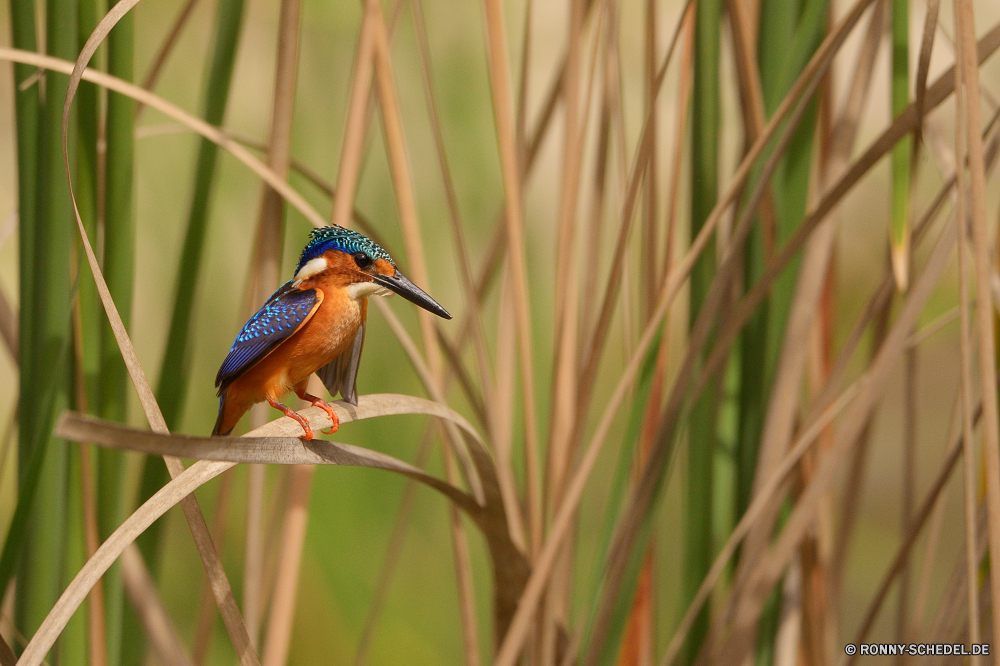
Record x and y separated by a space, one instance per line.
411 292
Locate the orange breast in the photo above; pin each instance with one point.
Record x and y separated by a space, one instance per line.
321 339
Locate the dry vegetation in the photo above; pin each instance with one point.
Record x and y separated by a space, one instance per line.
665 403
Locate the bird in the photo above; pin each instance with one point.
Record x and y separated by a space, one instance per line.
315 322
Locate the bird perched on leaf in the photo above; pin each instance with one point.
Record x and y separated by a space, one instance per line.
315 322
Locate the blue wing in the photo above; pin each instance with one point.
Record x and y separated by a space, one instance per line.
283 314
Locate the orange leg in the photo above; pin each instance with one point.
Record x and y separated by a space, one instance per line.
324 405
288 412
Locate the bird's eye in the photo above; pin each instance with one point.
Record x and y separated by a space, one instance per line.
362 260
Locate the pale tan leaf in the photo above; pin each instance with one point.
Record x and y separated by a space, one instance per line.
172 493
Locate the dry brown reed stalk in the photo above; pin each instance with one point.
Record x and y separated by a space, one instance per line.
597 194
206 614
684 98
506 347
96 628
264 278
354 132
649 259
967 82
410 225
514 225
279 628
564 400
969 456
920 517
141 590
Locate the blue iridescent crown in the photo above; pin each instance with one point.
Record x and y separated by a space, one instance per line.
339 238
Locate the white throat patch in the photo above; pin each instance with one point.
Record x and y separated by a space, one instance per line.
311 268
365 289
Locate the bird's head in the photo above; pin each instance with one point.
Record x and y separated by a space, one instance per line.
360 265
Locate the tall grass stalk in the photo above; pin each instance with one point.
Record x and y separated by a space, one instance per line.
705 128
42 562
119 269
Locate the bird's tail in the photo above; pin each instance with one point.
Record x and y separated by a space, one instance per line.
221 426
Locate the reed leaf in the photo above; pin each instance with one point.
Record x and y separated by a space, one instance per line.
119 269
28 117
270 444
705 128
42 556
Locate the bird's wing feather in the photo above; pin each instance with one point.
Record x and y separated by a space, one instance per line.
283 314
341 374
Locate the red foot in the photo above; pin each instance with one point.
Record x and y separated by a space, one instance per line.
326 407
298 417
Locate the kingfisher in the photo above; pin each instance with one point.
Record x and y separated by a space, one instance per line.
315 322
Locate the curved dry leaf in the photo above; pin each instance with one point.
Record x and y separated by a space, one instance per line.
269 443
275 443
169 495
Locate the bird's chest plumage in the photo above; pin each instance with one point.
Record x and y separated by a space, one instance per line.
328 333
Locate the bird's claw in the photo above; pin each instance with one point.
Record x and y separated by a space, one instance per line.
326 407
302 421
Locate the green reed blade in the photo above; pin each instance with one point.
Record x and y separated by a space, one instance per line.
40 576
790 32
119 271
87 109
705 128
28 113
